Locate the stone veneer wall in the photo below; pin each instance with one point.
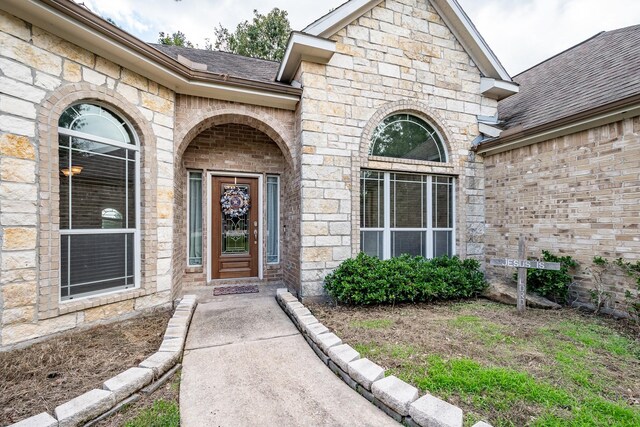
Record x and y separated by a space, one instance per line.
198 116
575 195
400 56
41 75
239 148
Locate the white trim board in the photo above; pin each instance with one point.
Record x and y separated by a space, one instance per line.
591 122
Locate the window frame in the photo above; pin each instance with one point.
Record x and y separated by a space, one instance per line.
277 228
202 208
135 147
430 230
435 135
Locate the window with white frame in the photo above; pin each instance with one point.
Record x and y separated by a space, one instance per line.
273 219
406 214
99 214
406 136
195 219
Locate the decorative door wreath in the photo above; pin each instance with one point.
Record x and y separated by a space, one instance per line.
235 201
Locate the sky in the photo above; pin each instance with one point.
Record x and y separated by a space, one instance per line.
522 33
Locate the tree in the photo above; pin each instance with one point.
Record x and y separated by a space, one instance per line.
265 37
176 39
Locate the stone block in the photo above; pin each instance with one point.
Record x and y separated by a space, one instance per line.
17 315
315 329
429 411
365 372
342 355
290 306
299 312
128 382
41 420
16 146
17 107
108 311
172 345
160 362
482 424
307 320
19 238
19 294
154 300
84 407
328 340
395 393
18 125
18 332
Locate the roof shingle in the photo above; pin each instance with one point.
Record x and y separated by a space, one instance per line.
597 72
225 63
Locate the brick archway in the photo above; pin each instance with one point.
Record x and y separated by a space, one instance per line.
213 116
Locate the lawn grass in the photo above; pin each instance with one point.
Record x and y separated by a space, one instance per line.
161 414
544 369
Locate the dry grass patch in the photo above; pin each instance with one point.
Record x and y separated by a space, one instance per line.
549 368
47 374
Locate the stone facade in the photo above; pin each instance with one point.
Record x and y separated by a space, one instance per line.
41 75
575 195
398 57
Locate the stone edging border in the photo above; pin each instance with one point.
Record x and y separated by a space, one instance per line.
94 403
395 397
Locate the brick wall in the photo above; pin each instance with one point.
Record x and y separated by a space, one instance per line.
398 57
238 148
270 128
40 76
575 195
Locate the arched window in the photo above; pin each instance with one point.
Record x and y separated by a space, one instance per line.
111 218
99 166
405 136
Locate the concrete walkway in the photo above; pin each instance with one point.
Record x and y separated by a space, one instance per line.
246 364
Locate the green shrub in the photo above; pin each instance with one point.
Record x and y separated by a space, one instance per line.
368 280
551 284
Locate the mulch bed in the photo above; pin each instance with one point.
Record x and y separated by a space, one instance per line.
45 375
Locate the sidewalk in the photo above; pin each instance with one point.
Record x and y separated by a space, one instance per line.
246 364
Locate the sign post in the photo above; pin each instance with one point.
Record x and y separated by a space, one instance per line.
523 264
522 277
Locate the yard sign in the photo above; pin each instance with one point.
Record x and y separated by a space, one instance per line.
523 264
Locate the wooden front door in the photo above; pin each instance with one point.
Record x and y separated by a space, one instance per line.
235 233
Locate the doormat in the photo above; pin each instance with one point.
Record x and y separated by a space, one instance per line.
235 289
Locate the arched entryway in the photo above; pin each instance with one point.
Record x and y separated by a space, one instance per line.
233 203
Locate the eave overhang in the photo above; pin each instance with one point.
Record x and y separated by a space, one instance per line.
498 89
517 137
304 47
72 22
340 17
469 36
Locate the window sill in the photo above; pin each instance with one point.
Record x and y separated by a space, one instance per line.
70 306
194 269
409 165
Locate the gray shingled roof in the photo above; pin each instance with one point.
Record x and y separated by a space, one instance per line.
231 64
597 72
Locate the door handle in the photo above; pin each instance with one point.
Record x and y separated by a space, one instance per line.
255 236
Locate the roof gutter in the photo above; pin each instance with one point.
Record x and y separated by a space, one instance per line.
599 116
70 21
